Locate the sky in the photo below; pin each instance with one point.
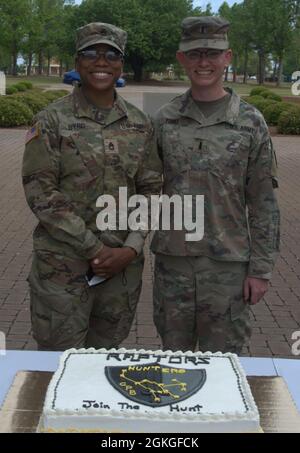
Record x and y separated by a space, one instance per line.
214 3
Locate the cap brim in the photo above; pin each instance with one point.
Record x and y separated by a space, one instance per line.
204 44
92 42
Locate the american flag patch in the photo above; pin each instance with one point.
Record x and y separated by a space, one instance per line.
32 133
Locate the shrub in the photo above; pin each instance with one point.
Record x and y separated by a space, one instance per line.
14 113
52 95
253 99
11 90
289 122
271 95
20 86
28 84
260 103
257 91
34 101
273 112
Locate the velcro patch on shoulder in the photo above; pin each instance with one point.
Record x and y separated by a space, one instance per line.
34 132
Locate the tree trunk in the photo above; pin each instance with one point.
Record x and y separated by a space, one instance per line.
261 67
40 68
226 74
137 64
235 61
29 67
275 69
279 71
61 68
246 57
14 69
48 64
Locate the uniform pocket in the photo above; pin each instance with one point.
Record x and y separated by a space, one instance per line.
52 311
81 158
238 307
176 155
227 160
91 152
51 316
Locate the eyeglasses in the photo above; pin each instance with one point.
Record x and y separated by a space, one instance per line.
196 55
111 56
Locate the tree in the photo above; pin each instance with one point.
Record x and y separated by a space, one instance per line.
283 13
14 17
153 27
291 59
270 23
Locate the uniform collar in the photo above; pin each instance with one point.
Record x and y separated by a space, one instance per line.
85 109
189 109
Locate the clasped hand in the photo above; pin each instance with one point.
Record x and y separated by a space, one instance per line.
111 261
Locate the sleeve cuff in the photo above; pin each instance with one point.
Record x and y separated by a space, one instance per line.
93 251
136 241
263 276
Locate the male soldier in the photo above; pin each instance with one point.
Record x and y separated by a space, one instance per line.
213 143
87 144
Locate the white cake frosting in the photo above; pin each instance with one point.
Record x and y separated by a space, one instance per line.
149 391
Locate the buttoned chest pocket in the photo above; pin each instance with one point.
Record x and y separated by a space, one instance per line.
227 158
122 159
82 161
176 151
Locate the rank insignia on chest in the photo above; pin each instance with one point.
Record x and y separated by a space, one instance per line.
111 146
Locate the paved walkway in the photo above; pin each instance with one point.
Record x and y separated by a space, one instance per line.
274 319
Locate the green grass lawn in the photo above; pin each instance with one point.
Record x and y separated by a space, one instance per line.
244 89
36 80
240 88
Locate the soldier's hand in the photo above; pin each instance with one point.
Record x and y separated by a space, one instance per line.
255 289
111 261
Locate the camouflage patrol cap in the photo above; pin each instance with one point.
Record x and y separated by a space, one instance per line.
204 32
101 33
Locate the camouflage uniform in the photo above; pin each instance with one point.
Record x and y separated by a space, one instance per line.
74 155
198 290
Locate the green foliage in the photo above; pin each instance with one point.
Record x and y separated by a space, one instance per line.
21 86
11 90
153 28
39 30
28 84
273 112
265 93
34 101
19 108
257 91
289 122
271 95
14 113
260 103
254 99
52 95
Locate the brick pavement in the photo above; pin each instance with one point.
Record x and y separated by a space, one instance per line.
274 319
